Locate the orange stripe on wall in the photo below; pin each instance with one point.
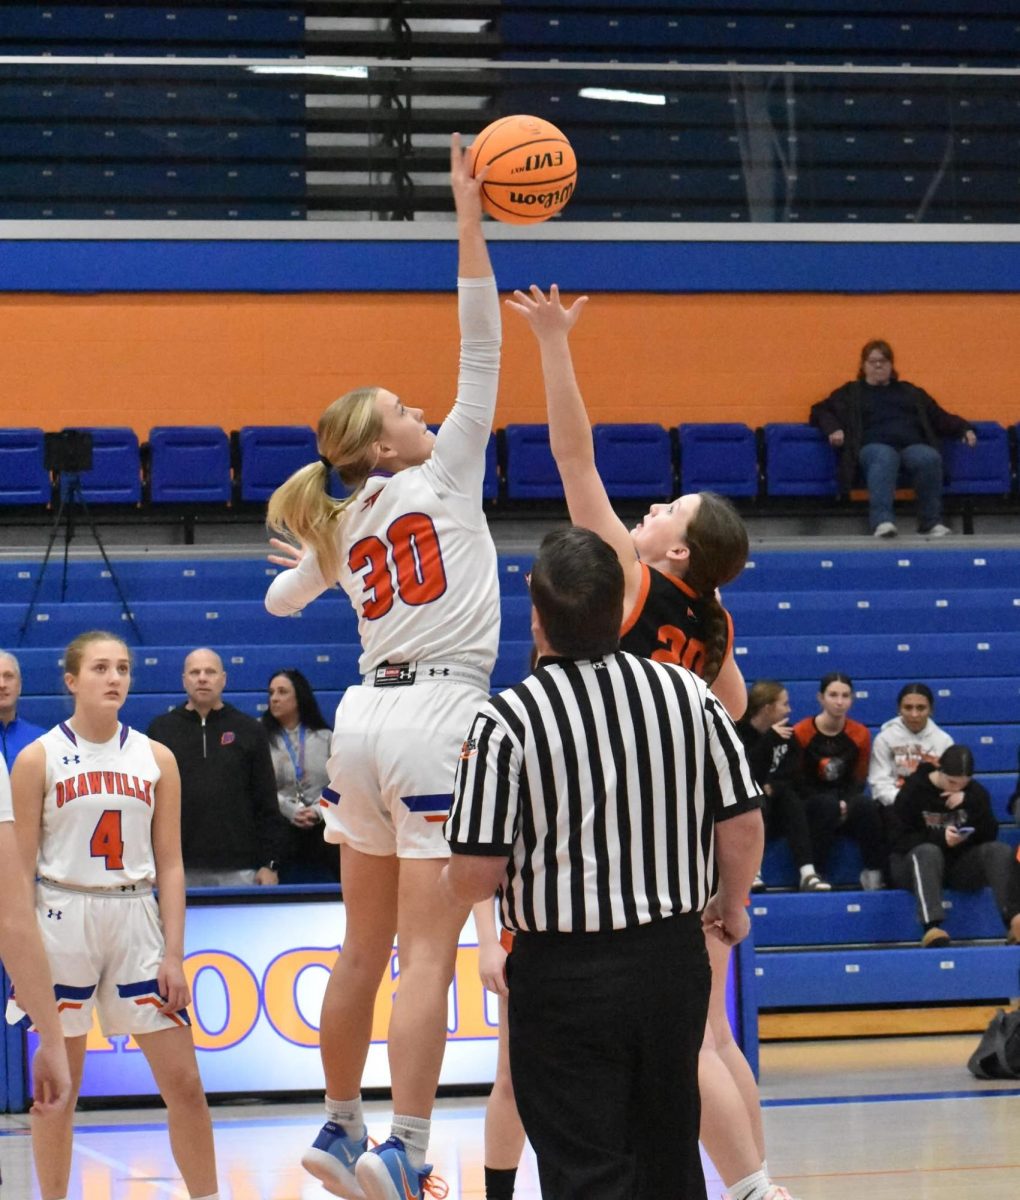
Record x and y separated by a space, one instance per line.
145 360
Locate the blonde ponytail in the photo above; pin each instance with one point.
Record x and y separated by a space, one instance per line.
301 507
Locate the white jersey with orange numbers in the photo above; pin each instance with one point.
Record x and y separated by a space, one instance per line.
97 811
417 559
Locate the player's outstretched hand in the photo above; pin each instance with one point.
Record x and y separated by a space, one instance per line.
51 1080
172 985
287 555
546 314
467 188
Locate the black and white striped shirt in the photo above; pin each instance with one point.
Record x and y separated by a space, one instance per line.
601 781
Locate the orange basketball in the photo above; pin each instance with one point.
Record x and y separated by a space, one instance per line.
532 169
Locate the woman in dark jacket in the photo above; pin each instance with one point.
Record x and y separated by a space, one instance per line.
879 422
946 834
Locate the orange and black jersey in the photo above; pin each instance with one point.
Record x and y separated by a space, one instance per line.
837 761
668 622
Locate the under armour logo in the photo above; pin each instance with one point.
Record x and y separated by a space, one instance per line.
439 670
71 758
55 913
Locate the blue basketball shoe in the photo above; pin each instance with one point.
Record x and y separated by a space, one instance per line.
386 1173
331 1158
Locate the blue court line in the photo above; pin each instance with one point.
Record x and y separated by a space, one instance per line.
887 1098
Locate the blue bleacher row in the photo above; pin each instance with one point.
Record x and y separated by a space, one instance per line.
202 465
883 616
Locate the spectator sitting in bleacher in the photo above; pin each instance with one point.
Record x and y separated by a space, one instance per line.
15 732
947 834
299 741
832 770
766 733
1013 803
904 742
878 422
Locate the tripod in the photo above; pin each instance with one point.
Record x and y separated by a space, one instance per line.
71 495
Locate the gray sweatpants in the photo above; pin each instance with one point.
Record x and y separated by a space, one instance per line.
925 871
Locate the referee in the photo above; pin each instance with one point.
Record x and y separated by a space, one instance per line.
606 797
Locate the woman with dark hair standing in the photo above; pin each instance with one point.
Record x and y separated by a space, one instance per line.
833 769
947 835
299 740
878 422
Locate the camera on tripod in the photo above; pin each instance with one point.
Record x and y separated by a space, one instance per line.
68 451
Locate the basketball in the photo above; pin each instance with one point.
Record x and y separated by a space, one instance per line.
532 169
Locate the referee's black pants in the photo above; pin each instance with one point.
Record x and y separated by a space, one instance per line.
605 1030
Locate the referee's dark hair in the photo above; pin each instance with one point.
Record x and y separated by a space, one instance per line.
577 591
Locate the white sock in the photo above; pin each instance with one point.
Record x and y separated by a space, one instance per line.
414 1133
211 1196
752 1187
765 1168
347 1113
807 869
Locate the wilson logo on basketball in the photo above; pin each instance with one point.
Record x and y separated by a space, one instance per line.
554 199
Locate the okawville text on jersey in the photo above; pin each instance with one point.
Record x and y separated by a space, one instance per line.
98 783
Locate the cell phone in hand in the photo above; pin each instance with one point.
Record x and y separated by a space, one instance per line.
964 830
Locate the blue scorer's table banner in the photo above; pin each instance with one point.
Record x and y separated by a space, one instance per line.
258 971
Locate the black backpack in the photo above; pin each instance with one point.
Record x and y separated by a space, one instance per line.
998 1053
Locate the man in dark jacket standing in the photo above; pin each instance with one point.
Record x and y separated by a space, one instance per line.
231 828
878 421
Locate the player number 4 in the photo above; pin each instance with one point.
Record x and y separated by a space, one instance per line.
106 841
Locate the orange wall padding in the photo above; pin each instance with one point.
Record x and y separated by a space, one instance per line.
230 360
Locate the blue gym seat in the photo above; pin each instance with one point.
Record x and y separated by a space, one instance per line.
23 478
718 457
189 464
271 453
530 470
634 460
981 470
116 474
798 461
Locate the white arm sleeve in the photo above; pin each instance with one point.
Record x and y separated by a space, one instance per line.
457 464
292 589
882 772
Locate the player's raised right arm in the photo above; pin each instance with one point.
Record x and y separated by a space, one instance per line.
570 436
472 250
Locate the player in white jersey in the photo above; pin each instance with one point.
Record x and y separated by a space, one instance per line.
21 950
412 551
98 824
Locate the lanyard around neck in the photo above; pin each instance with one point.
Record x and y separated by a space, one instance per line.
297 759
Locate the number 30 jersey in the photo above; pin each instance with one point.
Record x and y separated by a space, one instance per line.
97 811
417 559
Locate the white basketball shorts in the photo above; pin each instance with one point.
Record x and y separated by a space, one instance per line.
104 952
393 759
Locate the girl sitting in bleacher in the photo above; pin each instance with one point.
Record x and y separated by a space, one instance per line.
946 833
768 739
832 771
